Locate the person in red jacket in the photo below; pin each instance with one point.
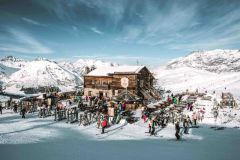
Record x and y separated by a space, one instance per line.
104 125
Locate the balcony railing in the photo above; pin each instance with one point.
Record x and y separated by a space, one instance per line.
101 86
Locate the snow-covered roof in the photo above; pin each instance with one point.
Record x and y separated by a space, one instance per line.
4 98
105 71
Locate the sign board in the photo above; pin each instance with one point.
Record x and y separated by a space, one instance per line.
124 82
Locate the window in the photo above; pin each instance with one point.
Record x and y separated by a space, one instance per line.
141 83
89 93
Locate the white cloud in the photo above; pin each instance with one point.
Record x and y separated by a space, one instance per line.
33 22
96 30
131 33
157 27
24 43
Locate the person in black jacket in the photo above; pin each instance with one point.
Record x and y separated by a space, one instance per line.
1 108
153 127
177 128
23 112
185 125
15 108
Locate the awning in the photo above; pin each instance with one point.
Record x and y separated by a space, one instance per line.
127 96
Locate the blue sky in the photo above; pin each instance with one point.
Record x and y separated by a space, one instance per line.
150 31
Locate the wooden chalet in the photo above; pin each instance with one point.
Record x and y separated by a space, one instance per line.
106 82
228 100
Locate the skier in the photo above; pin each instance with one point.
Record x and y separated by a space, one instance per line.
177 128
104 125
179 98
15 108
169 99
150 125
215 114
1 108
188 106
191 107
189 120
194 117
23 112
175 100
185 125
111 114
142 110
153 125
120 106
153 128
123 106
144 118
99 118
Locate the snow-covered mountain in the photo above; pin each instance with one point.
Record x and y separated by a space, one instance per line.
217 70
13 62
180 79
42 73
213 61
6 71
83 66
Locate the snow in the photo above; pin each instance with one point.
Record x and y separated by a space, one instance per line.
14 130
13 62
182 78
5 72
215 61
42 73
4 98
105 71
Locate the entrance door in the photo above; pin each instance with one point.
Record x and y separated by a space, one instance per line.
100 94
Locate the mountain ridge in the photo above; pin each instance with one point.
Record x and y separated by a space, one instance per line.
216 61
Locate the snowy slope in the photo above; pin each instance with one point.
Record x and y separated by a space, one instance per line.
5 71
183 78
42 73
213 61
217 70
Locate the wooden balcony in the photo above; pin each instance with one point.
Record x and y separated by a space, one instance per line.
99 86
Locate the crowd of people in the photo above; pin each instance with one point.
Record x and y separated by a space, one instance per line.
107 112
104 112
187 115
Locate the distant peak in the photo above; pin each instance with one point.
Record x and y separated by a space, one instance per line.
41 59
218 60
11 58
